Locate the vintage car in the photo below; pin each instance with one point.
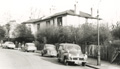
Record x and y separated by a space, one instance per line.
9 45
30 47
49 50
71 53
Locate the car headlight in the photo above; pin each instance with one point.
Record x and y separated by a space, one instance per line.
69 56
85 57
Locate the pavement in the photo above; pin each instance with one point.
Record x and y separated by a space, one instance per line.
104 64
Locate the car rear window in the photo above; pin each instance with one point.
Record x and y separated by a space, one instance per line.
50 47
9 43
31 44
77 47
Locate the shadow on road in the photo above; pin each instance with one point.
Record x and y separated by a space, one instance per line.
53 60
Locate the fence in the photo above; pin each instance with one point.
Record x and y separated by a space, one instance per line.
107 52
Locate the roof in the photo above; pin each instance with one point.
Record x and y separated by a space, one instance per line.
71 12
69 44
30 43
67 12
31 21
49 45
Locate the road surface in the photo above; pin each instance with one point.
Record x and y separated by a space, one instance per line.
15 59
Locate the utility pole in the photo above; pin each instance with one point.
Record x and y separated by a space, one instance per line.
98 56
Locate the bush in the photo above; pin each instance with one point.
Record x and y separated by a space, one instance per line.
84 35
115 43
38 45
57 35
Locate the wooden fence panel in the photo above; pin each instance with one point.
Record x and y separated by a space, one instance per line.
107 52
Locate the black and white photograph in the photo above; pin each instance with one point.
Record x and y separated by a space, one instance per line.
59 34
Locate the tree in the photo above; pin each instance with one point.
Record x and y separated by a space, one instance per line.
86 34
50 33
105 34
116 33
7 30
22 33
2 33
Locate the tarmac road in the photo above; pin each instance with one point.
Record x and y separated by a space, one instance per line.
15 59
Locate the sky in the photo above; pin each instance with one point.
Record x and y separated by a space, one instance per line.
20 10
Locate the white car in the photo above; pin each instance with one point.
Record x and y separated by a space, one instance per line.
49 50
30 47
8 45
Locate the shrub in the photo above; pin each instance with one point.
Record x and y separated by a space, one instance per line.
86 34
115 43
38 45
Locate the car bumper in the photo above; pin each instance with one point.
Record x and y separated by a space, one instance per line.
31 49
11 46
76 60
54 55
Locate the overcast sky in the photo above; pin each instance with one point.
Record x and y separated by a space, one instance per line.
20 9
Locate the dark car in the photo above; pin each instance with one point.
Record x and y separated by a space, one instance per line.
71 53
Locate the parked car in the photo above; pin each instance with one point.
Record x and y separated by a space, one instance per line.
9 45
29 47
71 53
49 50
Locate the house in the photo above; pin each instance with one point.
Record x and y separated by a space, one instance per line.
65 18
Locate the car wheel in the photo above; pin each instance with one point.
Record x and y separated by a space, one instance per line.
33 51
65 62
42 54
59 60
83 63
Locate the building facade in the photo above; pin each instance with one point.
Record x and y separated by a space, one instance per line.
65 18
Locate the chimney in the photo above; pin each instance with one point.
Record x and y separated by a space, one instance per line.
75 8
76 11
91 12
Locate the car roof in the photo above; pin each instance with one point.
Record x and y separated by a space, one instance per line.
49 45
8 42
30 43
68 44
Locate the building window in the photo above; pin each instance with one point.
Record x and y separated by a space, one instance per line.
48 23
59 21
53 21
38 26
29 27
